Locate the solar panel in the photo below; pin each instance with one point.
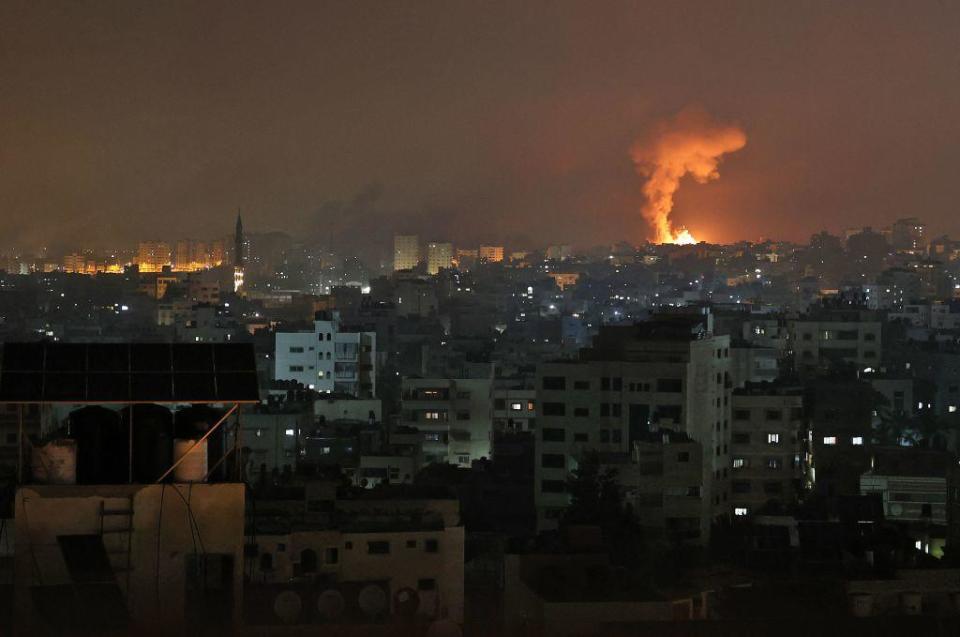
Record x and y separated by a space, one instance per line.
135 372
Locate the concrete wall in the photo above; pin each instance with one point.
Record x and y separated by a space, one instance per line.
160 542
407 563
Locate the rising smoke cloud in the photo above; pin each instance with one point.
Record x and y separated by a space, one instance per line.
689 143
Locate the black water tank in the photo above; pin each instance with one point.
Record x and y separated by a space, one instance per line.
152 441
102 446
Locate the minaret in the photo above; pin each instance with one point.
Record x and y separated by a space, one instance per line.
238 243
238 256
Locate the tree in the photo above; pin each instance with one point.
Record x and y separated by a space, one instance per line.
595 496
597 499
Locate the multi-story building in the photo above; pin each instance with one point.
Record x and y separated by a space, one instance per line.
330 358
75 263
912 484
836 338
841 436
909 235
491 254
662 479
406 251
514 405
439 256
453 415
670 373
153 256
767 446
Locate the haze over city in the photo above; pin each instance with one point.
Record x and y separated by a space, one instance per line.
479 121
479 319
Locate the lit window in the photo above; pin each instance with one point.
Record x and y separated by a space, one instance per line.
857 440
952 408
431 415
773 439
516 406
740 511
829 440
739 463
289 432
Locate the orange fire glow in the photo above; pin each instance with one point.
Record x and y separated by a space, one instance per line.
682 237
690 143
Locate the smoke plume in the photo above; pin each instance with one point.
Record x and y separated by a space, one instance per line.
689 143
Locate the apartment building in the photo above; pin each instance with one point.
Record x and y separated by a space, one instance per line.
514 405
662 480
834 338
406 251
670 373
331 358
439 256
453 415
768 446
841 434
912 483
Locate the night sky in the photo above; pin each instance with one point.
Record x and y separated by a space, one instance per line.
476 121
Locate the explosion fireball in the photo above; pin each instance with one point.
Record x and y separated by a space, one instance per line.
689 143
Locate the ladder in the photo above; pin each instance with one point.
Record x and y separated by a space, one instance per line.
116 530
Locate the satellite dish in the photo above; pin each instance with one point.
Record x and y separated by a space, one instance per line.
287 606
331 604
372 600
406 602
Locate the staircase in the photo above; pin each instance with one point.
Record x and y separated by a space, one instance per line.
116 531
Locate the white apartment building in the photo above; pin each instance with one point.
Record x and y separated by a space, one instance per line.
328 359
453 415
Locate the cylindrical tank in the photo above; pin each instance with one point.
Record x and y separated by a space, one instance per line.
152 441
194 466
194 422
102 446
55 462
861 604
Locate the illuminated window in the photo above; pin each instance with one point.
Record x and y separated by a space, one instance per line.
773 439
516 406
857 440
290 432
740 511
829 440
739 463
431 415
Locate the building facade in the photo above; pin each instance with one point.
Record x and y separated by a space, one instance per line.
768 447
452 415
328 359
665 374
406 251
